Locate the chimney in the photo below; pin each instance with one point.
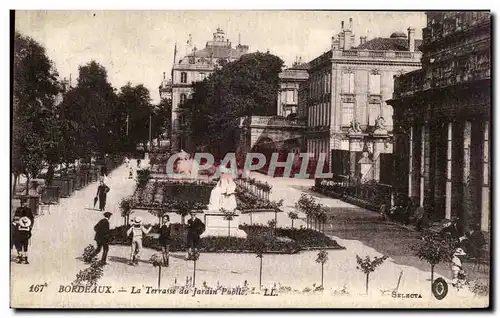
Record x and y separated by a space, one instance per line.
342 25
163 75
350 24
362 40
411 39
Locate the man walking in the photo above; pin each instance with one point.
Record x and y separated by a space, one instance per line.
102 192
102 237
195 227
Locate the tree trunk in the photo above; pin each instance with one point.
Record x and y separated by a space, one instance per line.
367 277
194 274
322 267
159 276
251 218
432 274
229 228
16 178
50 175
260 275
292 223
27 184
275 219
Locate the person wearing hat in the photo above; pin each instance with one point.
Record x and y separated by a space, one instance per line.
136 230
23 235
102 193
164 239
24 210
195 227
102 236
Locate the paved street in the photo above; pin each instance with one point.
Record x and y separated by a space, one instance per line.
59 239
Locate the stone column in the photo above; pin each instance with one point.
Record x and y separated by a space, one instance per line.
378 146
354 141
448 171
485 194
424 156
466 174
410 163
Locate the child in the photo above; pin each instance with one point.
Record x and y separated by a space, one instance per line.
164 239
137 230
457 270
23 235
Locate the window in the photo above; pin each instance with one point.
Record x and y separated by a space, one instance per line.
290 97
348 83
183 77
373 113
347 114
183 98
374 84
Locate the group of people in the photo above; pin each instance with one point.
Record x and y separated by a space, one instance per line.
472 241
195 228
21 227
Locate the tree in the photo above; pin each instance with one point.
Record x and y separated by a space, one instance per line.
293 216
434 248
308 206
322 259
194 257
91 108
35 88
368 265
229 216
259 249
249 86
157 261
135 101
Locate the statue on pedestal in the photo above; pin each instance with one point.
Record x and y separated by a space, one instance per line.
355 127
380 126
223 195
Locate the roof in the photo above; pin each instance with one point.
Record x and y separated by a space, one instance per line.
400 35
218 52
387 44
303 66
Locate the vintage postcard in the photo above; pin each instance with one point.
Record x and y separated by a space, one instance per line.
251 159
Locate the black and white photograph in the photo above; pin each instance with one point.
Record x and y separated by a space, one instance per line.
250 159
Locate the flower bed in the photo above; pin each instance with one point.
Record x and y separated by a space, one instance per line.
167 195
297 240
305 238
370 195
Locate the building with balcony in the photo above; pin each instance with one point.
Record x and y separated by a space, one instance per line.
288 96
442 119
195 66
346 91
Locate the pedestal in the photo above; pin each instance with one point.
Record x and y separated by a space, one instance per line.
215 225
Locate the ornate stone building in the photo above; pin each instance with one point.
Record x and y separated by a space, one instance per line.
346 93
195 66
442 113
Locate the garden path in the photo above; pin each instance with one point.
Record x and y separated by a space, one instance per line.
59 239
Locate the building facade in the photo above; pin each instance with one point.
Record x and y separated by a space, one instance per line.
195 66
347 88
288 96
442 112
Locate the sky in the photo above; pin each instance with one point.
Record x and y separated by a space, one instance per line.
138 46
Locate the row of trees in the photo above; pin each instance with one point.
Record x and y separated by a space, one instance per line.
56 124
246 87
